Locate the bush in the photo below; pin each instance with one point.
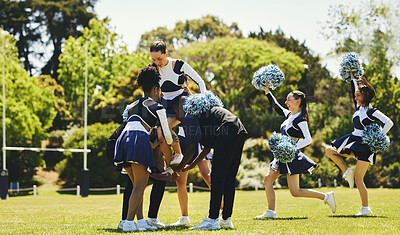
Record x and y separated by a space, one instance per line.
102 173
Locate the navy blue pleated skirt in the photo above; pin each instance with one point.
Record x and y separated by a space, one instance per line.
351 142
300 165
133 146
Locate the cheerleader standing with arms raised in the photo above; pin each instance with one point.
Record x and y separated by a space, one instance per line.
351 145
133 149
295 126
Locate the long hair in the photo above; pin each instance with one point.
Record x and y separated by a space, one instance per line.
303 104
367 90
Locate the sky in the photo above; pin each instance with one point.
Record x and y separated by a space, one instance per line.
301 19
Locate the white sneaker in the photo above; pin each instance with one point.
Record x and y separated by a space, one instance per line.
168 170
129 228
269 214
155 223
330 200
226 223
177 159
145 227
183 221
364 211
208 224
349 176
121 224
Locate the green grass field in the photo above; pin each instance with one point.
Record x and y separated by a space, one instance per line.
51 213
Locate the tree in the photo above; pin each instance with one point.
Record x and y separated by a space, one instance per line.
29 113
108 60
372 30
205 28
233 63
37 24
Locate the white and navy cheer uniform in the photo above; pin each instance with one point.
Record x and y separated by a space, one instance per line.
187 135
361 118
172 79
133 145
294 126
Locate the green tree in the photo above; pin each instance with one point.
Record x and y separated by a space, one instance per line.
107 60
37 24
102 172
205 28
29 113
372 30
233 63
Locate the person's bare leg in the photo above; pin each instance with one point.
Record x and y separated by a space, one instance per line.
141 176
269 187
336 158
296 191
182 192
361 169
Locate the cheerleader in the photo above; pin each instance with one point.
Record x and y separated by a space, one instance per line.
351 144
174 74
296 127
219 129
133 149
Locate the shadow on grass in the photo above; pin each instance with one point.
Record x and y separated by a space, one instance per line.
169 228
357 216
284 218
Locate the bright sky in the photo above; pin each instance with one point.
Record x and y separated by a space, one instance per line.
302 19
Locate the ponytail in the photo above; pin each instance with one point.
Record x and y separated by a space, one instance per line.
303 104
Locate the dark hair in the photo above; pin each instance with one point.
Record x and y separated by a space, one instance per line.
148 78
303 103
367 90
158 46
178 108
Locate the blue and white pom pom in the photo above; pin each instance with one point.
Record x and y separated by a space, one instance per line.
350 62
285 152
213 99
196 104
270 76
282 147
274 140
125 113
375 138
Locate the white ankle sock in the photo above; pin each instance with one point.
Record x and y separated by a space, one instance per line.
326 197
185 217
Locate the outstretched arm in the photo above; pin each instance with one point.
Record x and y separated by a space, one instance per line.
274 103
353 88
194 76
196 161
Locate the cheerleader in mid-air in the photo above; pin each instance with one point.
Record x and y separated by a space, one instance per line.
294 127
174 74
360 143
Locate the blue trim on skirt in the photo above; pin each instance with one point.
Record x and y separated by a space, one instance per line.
300 165
360 150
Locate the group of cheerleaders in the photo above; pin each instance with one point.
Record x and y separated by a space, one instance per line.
143 146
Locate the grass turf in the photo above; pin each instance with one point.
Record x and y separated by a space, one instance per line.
52 213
